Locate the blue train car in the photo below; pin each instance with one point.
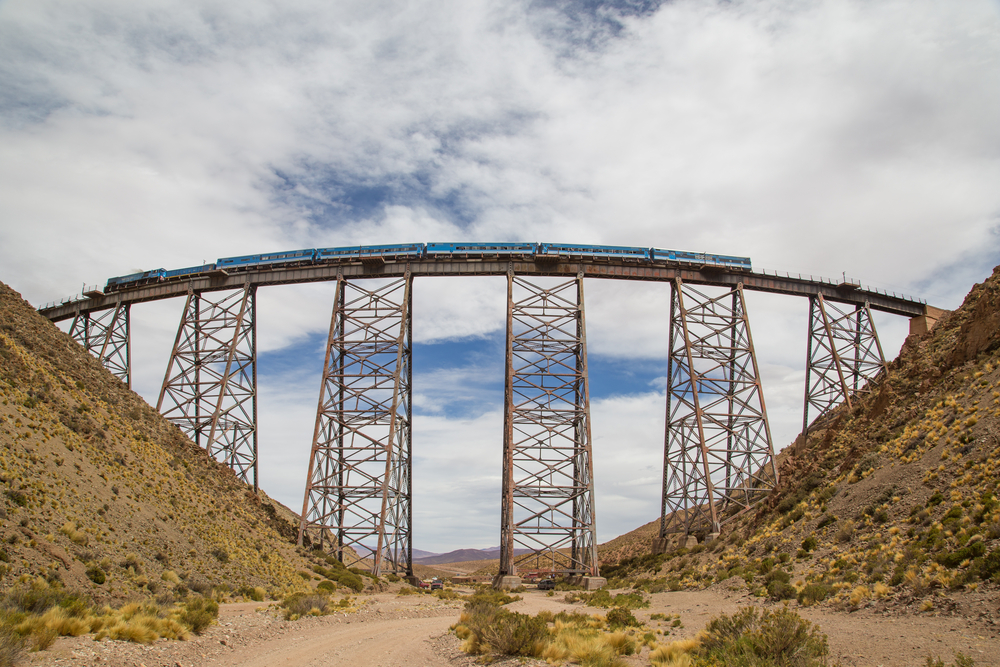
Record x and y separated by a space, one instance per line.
191 270
614 251
397 250
134 279
481 248
366 251
285 257
349 252
732 261
700 258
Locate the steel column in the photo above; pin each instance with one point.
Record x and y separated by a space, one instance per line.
210 387
548 477
358 493
718 455
107 335
844 357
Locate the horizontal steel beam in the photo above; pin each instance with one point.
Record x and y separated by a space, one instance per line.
592 268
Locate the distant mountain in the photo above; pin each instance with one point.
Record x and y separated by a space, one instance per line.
458 556
463 556
418 554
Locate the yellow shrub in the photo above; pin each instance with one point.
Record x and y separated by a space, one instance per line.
859 595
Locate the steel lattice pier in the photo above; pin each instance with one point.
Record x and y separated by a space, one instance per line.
548 479
843 357
718 455
210 387
358 495
105 334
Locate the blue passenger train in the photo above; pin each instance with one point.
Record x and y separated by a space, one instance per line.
310 256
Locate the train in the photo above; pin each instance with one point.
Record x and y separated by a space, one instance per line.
404 251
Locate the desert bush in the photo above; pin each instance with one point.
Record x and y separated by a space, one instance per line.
16 497
301 604
845 533
762 638
987 567
777 585
955 558
813 593
620 617
603 599
96 574
198 614
171 577
491 596
512 633
220 554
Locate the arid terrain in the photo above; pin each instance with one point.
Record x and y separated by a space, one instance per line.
884 529
390 630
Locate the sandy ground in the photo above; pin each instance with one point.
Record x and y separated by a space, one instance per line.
406 631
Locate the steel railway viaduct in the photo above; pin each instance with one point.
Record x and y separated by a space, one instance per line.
718 455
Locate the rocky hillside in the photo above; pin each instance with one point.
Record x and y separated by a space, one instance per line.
894 501
98 492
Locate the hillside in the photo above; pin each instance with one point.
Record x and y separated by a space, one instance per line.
102 494
892 503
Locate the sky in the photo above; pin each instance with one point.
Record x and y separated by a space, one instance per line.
830 138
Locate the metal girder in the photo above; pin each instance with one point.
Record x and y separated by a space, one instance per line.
210 387
547 509
106 335
718 456
843 356
358 491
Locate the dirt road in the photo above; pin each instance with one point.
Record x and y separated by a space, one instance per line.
407 631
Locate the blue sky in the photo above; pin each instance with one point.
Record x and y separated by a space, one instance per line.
828 137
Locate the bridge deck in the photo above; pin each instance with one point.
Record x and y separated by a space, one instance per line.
592 268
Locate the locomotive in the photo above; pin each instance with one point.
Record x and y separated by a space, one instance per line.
403 251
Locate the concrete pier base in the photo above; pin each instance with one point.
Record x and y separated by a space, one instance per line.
506 582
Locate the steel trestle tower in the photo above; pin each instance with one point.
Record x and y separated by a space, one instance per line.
843 357
718 456
358 494
547 509
210 387
106 335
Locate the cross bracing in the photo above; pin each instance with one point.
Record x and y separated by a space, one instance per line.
718 455
105 334
548 500
844 357
210 387
357 500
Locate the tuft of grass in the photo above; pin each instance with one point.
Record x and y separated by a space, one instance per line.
69 529
674 654
12 646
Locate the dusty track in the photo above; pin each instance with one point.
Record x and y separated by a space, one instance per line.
401 631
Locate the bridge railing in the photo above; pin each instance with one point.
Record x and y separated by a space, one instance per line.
831 281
